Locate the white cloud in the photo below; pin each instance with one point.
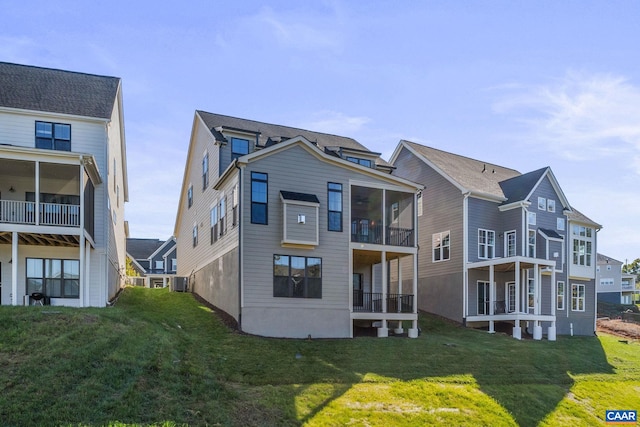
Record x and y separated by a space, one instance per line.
336 123
580 116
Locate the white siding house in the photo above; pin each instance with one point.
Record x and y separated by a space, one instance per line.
63 186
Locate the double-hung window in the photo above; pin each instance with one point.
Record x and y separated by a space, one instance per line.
560 295
510 244
222 210
214 223
441 246
582 245
259 189
190 196
53 136
531 244
577 297
239 147
195 235
335 206
297 276
486 243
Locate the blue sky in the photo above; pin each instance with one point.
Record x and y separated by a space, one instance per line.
520 84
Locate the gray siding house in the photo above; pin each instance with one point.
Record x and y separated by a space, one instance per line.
155 260
63 186
613 285
293 232
498 246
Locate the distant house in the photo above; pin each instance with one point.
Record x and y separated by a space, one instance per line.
63 186
500 247
613 285
154 260
294 232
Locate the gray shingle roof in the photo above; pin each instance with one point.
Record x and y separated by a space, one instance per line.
603 259
57 91
576 215
473 175
519 187
142 248
266 131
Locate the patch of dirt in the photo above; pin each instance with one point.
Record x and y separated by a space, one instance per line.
619 328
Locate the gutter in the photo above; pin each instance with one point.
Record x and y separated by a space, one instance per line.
240 245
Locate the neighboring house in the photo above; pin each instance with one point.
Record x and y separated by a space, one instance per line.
292 232
500 246
154 260
614 286
63 185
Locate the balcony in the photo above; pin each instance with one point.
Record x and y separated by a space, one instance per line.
56 214
371 302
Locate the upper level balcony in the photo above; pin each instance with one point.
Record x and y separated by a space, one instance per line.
45 194
382 217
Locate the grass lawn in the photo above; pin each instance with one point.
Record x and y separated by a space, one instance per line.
161 358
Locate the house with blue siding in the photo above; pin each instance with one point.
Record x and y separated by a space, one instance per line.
500 249
294 233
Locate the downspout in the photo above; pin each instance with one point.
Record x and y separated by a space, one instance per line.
595 290
240 245
465 257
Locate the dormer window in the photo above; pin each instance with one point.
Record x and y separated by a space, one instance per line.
239 147
359 161
53 136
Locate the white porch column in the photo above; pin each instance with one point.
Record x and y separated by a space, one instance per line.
37 195
537 287
14 268
551 331
87 273
517 330
82 279
398 330
492 298
383 331
413 332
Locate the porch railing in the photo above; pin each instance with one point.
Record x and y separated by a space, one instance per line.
19 212
371 302
366 231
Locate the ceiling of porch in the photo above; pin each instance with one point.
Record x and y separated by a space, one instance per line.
38 239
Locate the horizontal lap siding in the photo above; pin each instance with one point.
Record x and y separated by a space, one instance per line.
296 170
483 214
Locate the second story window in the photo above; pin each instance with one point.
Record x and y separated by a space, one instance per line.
205 171
510 243
239 147
486 243
335 206
190 196
582 245
259 188
441 246
531 245
53 136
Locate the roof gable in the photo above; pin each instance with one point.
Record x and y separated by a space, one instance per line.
57 91
143 248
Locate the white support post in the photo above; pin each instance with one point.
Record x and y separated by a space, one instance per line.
399 330
551 331
518 285
492 298
83 277
14 268
383 331
37 195
413 332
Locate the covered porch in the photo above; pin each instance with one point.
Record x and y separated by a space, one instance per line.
383 290
513 290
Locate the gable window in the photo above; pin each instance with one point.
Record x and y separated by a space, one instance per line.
58 278
582 245
531 245
159 265
486 243
297 276
259 188
239 147
531 218
551 205
560 224
577 297
542 204
53 136
335 206
190 196
214 223
560 295
205 171
441 246
510 244
483 297
195 235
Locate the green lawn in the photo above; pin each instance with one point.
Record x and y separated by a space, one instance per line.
160 358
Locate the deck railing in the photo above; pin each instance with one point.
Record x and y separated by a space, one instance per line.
371 302
19 212
366 231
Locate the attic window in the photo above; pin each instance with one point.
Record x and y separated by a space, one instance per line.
359 161
239 147
551 205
